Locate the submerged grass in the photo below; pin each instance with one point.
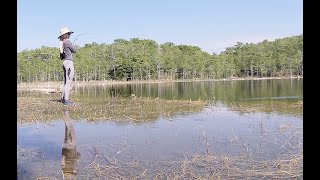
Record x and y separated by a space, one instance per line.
281 107
197 166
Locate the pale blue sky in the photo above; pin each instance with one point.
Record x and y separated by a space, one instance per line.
211 25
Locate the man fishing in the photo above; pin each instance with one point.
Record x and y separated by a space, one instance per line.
66 50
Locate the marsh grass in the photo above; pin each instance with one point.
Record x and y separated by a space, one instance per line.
194 166
197 166
134 109
206 165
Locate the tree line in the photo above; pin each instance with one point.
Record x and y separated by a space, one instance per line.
144 59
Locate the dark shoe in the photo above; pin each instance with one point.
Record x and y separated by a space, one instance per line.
68 103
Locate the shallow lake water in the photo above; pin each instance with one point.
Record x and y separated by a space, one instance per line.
216 129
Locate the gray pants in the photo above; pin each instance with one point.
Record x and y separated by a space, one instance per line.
68 70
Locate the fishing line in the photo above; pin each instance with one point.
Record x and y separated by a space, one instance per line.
80 35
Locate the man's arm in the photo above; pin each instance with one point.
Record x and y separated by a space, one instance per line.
71 46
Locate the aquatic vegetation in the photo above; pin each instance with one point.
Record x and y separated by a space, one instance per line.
274 127
136 109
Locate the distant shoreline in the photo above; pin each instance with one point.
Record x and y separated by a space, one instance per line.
56 86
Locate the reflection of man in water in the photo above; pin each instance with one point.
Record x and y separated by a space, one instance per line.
69 151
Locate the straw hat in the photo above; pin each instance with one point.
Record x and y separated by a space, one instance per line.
64 30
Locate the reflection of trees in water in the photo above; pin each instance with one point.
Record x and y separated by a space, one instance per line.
69 150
